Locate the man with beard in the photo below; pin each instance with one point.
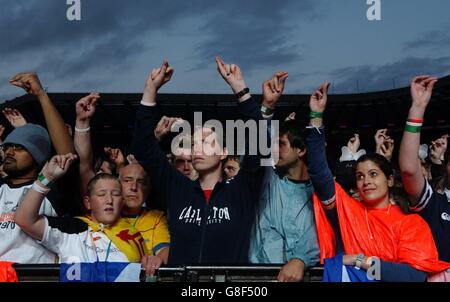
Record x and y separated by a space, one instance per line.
26 149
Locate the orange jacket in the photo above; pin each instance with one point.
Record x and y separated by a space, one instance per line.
387 233
7 272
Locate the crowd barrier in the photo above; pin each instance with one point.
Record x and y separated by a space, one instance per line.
251 273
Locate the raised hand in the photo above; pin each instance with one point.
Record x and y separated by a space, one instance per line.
318 100
232 74
85 107
273 88
387 148
58 166
354 143
14 117
164 126
380 137
421 90
438 148
291 117
155 80
131 159
28 82
115 156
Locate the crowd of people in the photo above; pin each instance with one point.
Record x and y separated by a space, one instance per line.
61 204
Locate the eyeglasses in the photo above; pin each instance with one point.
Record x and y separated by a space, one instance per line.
14 147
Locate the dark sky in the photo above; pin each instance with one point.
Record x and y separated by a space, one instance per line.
116 43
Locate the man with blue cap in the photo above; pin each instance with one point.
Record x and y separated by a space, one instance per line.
25 151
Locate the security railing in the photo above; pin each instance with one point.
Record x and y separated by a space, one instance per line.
250 273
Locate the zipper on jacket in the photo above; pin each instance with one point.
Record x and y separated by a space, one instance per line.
202 240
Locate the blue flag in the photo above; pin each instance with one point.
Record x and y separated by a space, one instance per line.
336 271
100 272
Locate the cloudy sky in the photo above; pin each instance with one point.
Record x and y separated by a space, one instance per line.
117 42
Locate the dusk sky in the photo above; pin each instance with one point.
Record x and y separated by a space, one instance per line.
116 43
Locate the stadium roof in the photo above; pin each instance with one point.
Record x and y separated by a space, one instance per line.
346 113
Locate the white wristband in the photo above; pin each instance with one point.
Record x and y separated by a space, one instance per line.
39 189
84 130
145 103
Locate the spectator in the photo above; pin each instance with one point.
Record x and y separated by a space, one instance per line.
100 236
432 206
284 230
182 160
209 220
152 224
373 227
231 166
26 149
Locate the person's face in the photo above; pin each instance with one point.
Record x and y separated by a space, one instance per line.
206 152
287 155
183 163
17 161
231 168
373 186
105 202
135 186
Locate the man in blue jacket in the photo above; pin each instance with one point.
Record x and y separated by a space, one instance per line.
284 231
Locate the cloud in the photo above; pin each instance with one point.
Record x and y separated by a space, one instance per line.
375 78
108 36
253 33
436 40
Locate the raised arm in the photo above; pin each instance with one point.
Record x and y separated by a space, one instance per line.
248 109
145 147
27 214
272 90
232 74
413 180
55 124
85 109
14 117
318 169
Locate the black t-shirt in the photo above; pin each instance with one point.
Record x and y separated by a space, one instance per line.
435 209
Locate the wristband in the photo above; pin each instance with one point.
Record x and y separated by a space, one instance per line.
266 110
359 261
314 114
39 189
412 129
242 92
415 120
84 130
43 180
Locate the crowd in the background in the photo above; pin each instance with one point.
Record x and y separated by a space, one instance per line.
372 213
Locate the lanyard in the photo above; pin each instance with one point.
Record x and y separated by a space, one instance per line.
95 248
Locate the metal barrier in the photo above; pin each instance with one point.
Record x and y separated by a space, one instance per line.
250 273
